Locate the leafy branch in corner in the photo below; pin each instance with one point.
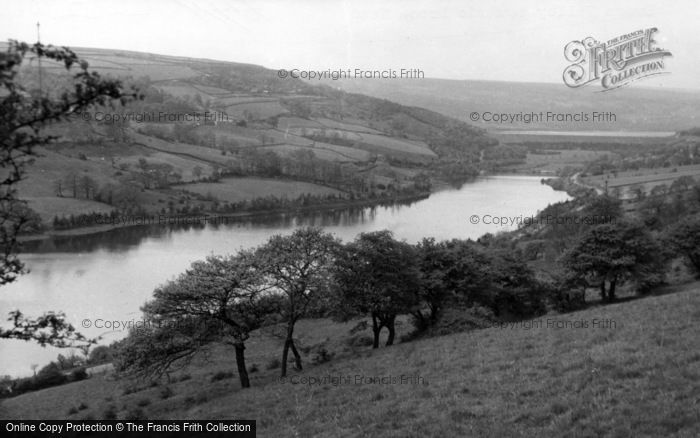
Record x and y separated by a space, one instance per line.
23 114
49 329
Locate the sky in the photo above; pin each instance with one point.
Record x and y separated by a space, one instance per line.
488 40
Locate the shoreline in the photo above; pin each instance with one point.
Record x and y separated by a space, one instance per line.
103 228
437 186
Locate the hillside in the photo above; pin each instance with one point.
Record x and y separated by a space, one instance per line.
637 374
636 108
201 120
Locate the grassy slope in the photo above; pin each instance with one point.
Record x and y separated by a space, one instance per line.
562 159
240 189
38 186
647 177
181 76
641 378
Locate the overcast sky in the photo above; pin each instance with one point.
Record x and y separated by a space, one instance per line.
509 40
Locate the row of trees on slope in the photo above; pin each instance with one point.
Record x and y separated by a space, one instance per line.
600 245
311 273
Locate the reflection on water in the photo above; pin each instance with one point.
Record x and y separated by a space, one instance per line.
125 238
109 275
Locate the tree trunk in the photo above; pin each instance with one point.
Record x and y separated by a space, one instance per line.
376 328
695 261
603 295
297 357
289 343
285 354
611 291
422 322
240 362
434 312
392 331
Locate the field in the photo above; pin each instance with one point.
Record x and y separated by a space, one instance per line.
348 126
55 163
38 188
296 123
635 374
240 100
646 178
241 189
200 153
285 123
183 89
323 151
260 109
184 165
550 164
137 64
119 66
51 206
242 137
50 166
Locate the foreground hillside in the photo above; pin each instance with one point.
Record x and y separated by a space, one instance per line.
636 374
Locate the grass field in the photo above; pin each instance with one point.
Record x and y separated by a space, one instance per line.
380 143
50 166
323 151
181 149
560 159
240 100
348 125
285 123
635 375
182 89
647 178
241 139
258 109
136 65
183 165
339 133
241 189
50 206
397 145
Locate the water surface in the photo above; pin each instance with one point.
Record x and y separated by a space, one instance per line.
108 276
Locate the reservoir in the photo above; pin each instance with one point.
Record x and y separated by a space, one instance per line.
108 276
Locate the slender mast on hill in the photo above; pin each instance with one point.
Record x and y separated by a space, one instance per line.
38 40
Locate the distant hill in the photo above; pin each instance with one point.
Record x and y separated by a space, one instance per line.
202 121
636 108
